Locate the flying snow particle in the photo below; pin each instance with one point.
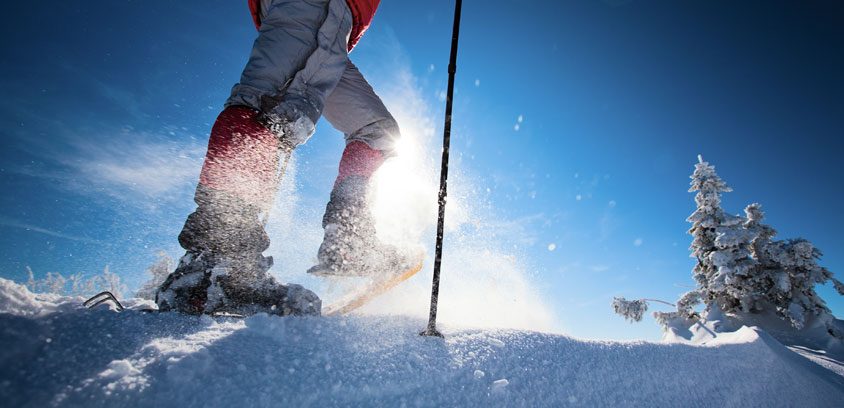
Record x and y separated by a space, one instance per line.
552 246
637 242
578 197
612 204
479 374
431 68
498 385
518 124
477 83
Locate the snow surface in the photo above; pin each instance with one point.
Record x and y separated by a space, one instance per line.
53 352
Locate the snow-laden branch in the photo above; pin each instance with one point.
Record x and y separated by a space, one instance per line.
634 310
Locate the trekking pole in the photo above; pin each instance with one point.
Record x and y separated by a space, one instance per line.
431 330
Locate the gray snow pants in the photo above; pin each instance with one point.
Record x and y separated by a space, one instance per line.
299 69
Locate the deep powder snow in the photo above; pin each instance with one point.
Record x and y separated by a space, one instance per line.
53 352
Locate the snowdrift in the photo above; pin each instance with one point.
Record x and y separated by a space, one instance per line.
53 352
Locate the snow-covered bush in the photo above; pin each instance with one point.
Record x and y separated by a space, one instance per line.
740 268
76 284
157 274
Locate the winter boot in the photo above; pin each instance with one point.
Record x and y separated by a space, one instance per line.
350 246
223 270
207 284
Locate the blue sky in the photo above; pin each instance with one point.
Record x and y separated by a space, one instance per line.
108 105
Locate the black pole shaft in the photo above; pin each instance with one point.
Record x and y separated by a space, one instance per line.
431 330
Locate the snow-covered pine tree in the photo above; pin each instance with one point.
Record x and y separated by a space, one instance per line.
748 272
706 220
741 270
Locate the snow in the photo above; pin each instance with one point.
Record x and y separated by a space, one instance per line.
53 352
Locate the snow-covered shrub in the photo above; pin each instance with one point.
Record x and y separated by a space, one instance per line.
54 283
740 268
157 274
111 282
76 284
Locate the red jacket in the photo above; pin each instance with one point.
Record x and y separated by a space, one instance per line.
362 13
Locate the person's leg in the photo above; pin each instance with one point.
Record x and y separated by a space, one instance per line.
296 61
350 246
356 110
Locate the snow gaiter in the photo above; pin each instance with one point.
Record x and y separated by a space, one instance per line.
358 164
242 158
236 185
359 160
349 227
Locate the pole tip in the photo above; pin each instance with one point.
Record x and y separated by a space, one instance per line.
431 332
